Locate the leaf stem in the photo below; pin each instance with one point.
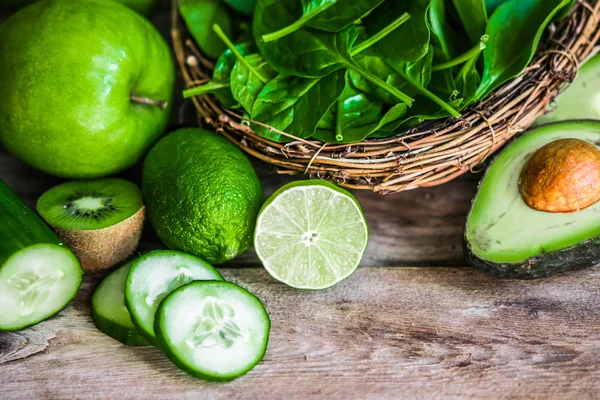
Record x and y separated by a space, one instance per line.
237 53
203 89
378 82
466 56
380 35
339 135
299 24
425 92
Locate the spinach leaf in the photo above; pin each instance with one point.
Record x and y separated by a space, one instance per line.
342 14
353 108
249 75
246 83
295 105
467 81
356 133
422 111
373 62
492 5
326 15
515 30
411 78
309 52
410 41
443 37
200 16
447 43
473 16
245 7
220 83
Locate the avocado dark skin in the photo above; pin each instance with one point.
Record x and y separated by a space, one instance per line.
580 256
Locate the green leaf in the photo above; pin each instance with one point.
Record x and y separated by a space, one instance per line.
492 5
245 7
220 83
295 105
410 78
352 109
200 16
515 30
246 84
443 37
422 111
467 81
473 16
340 15
373 62
410 41
308 53
390 121
326 15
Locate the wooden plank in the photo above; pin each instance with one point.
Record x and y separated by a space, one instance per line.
421 227
384 332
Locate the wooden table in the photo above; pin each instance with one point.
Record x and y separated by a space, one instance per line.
412 322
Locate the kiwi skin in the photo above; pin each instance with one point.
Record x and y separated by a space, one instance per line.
101 249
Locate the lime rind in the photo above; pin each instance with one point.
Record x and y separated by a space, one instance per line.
311 235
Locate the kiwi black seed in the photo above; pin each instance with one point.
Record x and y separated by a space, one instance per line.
100 220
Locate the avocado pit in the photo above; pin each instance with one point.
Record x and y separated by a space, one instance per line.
562 177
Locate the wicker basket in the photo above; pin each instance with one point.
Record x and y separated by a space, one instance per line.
429 154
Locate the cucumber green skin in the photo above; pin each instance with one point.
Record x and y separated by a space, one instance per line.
129 337
163 342
582 255
20 229
151 340
319 182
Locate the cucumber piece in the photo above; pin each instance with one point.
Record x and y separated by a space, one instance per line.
156 274
109 312
213 330
39 276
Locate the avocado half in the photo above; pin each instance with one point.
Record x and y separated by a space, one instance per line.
506 238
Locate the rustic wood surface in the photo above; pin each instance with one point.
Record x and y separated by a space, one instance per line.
437 332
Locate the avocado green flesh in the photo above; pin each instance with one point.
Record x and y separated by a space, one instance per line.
502 228
581 100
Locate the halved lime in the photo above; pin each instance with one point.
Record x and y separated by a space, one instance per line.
310 234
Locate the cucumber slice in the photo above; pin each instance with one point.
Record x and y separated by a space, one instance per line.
39 276
156 274
36 283
213 330
109 311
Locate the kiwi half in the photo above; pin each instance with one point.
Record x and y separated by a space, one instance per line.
100 220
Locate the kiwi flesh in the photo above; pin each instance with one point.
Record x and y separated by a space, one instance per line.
100 220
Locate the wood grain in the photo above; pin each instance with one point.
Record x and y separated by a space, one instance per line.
383 333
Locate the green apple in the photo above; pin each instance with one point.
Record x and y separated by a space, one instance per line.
142 6
85 88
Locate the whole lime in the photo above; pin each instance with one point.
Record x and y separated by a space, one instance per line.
202 194
85 86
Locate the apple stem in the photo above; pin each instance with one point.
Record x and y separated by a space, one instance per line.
147 101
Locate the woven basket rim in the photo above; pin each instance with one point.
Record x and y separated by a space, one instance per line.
429 154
